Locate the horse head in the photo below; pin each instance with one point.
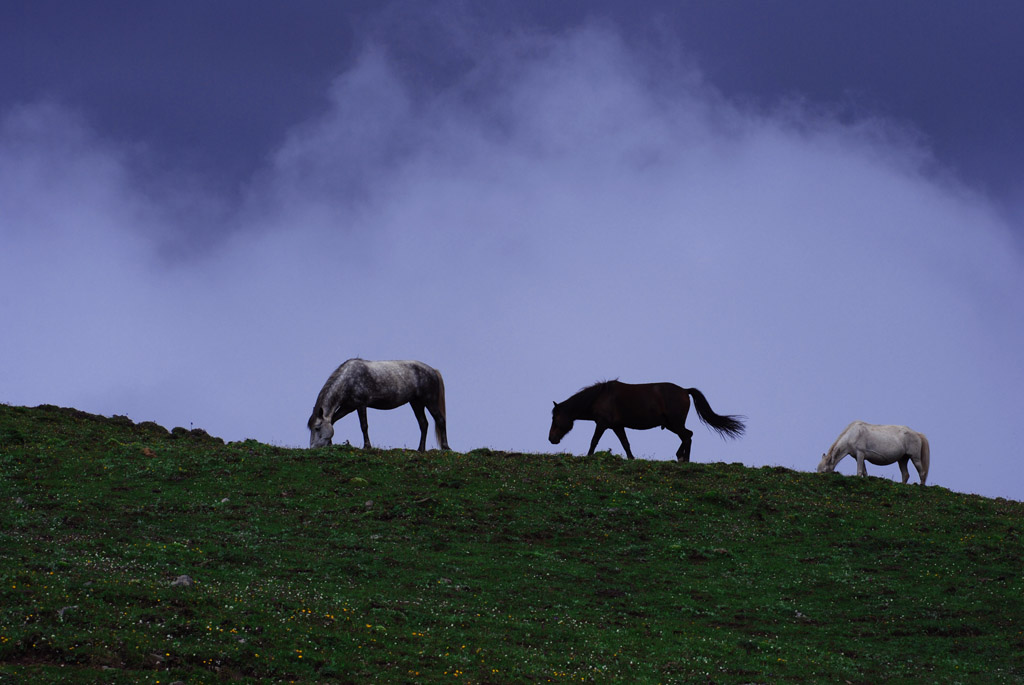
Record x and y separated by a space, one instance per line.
320 431
560 425
824 465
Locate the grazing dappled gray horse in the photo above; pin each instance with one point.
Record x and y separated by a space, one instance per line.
358 384
881 445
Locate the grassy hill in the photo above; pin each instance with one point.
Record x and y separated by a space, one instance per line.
344 565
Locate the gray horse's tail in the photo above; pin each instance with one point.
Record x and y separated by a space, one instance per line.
727 426
925 458
440 428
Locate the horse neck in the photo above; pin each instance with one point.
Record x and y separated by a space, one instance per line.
580 405
839 449
332 394
841 445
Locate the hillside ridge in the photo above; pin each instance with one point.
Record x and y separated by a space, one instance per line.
488 566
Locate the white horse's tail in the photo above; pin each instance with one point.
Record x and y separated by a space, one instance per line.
925 458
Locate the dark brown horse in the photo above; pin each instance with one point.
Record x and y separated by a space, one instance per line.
620 406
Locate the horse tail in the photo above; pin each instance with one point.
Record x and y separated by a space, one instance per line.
727 426
439 427
925 458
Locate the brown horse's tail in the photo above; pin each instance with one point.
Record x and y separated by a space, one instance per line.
727 426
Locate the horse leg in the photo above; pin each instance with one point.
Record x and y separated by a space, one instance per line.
683 453
421 419
440 426
920 469
862 470
365 426
598 432
903 468
621 432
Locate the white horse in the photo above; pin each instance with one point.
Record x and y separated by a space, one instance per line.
881 445
358 384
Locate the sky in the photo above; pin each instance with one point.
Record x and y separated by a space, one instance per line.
812 212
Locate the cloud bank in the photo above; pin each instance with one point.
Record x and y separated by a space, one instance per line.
570 210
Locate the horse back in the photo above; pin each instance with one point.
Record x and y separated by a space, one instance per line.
380 384
640 405
390 384
886 440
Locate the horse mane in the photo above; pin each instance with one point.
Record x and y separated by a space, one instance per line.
337 372
328 385
586 396
832 460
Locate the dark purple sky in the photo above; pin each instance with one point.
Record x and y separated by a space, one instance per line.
211 87
812 211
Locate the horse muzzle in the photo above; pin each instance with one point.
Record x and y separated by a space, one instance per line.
319 441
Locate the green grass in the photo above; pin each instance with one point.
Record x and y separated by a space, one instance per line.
347 565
